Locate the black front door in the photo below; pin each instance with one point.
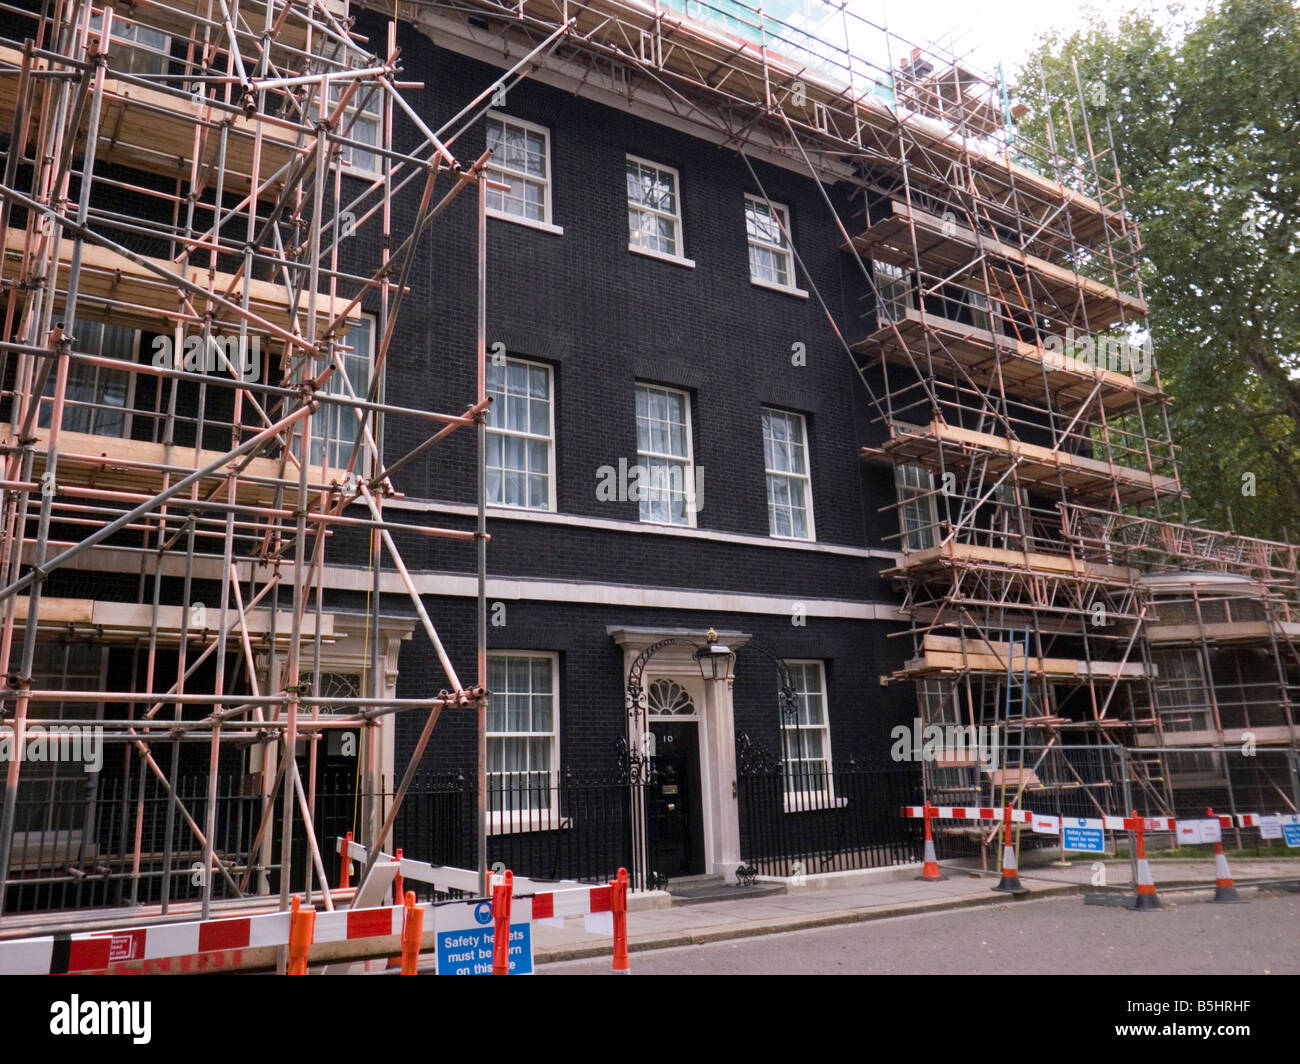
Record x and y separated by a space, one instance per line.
674 811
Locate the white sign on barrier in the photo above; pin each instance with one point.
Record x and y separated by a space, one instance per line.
1270 826
1047 825
1211 831
1190 832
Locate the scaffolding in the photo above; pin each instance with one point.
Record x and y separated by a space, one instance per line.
1000 350
202 201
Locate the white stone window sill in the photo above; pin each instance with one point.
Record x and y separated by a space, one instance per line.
665 524
676 260
360 173
506 510
532 223
784 289
811 802
519 823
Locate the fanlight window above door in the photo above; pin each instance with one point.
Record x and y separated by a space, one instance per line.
664 698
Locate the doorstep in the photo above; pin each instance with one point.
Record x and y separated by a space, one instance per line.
641 900
698 894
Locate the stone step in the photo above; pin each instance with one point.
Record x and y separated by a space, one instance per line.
719 890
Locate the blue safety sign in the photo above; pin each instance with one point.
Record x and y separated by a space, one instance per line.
1083 834
1291 828
466 935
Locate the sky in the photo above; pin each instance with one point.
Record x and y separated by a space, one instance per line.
998 30
992 31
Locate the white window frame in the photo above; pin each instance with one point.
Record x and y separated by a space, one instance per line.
59 843
912 495
781 214
981 310
1007 499
542 819
893 293
679 229
46 416
688 476
805 477
355 115
549 439
347 415
127 33
371 115
497 171
796 799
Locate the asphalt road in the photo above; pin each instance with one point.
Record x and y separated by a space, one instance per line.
1052 936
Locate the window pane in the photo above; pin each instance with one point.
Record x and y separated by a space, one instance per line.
521 761
538 493
539 417
542 712
537 451
653 208
661 432
519 160
770 258
806 740
520 412
799 524
539 382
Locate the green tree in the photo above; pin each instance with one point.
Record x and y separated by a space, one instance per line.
1205 117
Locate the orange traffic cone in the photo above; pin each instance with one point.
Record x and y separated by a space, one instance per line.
502 895
1224 888
412 930
1145 900
302 928
618 899
930 870
345 863
1010 881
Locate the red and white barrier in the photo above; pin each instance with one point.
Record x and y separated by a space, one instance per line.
968 812
134 948
603 908
1025 816
1145 899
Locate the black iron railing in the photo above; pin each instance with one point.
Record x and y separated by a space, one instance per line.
827 819
545 827
103 842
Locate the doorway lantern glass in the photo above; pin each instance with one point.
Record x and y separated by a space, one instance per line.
714 659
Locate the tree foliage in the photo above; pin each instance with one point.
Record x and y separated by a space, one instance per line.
1205 117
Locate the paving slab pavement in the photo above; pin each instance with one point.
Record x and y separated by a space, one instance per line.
701 922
